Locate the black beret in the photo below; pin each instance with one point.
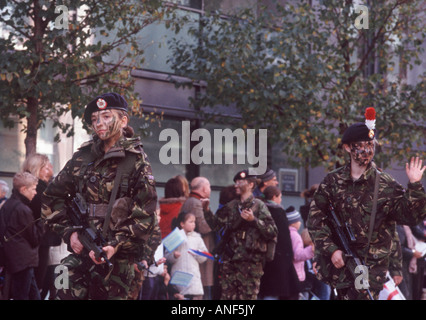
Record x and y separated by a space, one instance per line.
358 132
105 101
242 175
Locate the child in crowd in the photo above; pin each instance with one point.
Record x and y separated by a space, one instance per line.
182 259
301 253
23 234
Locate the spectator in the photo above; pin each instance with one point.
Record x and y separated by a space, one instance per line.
39 166
317 288
269 178
280 280
185 185
4 280
168 291
182 259
419 233
226 195
409 260
175 195
308 194
4 189
22 237
200 191
301 253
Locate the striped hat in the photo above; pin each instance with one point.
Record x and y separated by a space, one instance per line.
293 215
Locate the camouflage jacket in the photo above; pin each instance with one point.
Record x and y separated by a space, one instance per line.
133 217
395 258
248 240
353 202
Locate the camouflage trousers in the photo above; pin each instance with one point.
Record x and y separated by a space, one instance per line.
240 280
136 286
87 281
354 294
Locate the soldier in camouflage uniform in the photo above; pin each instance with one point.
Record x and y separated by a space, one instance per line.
91 172
251 227
350 190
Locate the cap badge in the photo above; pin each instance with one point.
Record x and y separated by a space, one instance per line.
101 103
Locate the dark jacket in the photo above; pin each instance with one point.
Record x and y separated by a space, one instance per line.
23 232
280 278
35 204
50 238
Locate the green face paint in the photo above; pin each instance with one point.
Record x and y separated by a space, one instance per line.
106 124
362 152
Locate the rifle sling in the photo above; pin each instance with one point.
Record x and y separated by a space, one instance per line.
124 164
373 212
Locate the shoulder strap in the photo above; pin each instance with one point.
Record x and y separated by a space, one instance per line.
373 212
87 159
124 167
128 166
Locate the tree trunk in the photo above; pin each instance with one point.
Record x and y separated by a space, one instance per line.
31 138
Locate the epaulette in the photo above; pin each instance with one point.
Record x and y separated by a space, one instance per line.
86 144
133 145
337 170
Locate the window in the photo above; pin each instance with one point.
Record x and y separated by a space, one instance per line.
195 4
150 133
230 147
289 180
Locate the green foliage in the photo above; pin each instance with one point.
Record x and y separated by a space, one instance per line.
47 71
305 73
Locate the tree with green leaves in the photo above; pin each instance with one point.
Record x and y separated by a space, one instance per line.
57 55
305 72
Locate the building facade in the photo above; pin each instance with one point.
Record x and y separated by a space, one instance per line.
159 95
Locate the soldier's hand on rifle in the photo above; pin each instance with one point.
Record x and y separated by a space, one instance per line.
75 243
144 263
414 170
337 259
109 250
247 214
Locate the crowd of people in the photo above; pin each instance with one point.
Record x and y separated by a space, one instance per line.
289 275
250 247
